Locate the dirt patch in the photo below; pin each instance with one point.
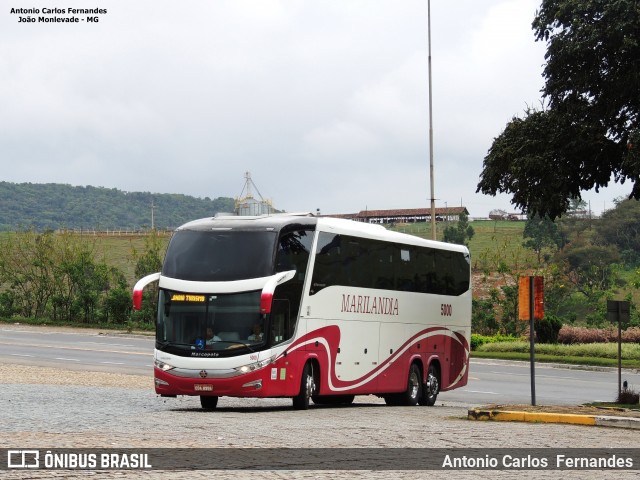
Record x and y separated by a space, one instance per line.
31 375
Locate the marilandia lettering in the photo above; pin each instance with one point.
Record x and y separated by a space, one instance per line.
369 305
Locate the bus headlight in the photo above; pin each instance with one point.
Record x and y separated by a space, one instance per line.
253 366
163 366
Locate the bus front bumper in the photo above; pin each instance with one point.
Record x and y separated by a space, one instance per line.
270 381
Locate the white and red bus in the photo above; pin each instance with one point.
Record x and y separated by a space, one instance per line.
309 308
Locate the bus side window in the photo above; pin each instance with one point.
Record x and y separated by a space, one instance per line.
281 324
327 262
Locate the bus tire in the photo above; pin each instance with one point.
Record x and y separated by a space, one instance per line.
307 389
430 389
413 393
208 402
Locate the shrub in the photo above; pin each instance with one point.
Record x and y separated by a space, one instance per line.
547 329
483 317
479 340
570 335
628 397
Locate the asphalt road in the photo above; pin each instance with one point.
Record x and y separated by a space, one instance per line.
90 350
490 381
45 416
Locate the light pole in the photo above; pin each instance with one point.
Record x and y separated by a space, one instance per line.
433 200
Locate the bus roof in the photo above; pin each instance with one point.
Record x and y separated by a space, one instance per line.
328 224
275 222
379 232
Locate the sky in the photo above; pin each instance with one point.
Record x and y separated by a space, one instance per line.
325 103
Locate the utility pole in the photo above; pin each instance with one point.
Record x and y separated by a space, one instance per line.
433 200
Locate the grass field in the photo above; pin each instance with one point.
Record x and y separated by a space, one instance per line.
492 242
117 251
490 237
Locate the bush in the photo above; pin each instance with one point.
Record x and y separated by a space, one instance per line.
573 335
479 340
630 351
547 329
628 397
483 316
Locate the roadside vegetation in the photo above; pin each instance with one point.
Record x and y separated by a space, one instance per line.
584 261
82 280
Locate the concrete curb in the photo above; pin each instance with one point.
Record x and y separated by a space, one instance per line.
541 417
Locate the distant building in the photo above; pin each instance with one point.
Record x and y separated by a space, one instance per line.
405 215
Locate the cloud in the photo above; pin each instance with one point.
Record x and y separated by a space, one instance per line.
326 103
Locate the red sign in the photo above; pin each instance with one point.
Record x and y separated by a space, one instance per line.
524 298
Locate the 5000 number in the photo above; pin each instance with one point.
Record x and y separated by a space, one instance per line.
446 310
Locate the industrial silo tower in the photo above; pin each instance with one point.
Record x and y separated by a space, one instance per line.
247 205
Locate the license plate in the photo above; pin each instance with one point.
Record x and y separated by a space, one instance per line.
203 387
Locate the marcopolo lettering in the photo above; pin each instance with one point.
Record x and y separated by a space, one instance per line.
371 305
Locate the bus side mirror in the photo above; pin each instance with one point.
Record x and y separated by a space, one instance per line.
266 297
139 286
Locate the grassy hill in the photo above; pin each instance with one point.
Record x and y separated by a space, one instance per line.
55 206
491 238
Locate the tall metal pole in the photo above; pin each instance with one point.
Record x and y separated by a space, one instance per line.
619 349
532 344
433 200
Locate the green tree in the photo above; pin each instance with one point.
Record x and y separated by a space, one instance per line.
540 233
57 276
148 261
592 269
621 227
461 232
502 265
116 303
26 271
483 316
587 129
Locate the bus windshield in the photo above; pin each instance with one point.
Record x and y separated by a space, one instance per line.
220 256
195 322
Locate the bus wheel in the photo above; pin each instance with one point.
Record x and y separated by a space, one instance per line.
414 386
431 388
307 389
208 403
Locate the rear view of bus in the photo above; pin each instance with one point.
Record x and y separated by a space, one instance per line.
241 313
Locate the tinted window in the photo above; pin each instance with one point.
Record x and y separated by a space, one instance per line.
364 263
293 254
220 256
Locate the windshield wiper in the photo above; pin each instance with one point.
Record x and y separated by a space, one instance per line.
235 344
168 343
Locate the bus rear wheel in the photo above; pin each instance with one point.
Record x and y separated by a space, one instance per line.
430 389
411 396
414 386
208 402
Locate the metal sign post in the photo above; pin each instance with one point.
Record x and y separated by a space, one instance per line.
531 307
618 311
